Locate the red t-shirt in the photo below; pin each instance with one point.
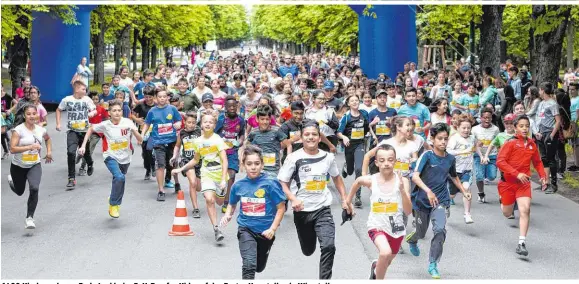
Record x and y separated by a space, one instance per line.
101 115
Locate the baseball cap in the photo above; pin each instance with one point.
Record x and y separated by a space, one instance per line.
207 97
381 92
328 85
509 117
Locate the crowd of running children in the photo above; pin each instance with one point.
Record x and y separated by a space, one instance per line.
423 137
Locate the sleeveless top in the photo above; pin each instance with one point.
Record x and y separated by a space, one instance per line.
386 213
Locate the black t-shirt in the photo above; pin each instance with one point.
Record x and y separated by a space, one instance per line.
159 81
361 125
142 109
6 102
187 138
334 103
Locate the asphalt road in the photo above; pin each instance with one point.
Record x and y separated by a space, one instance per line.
75 237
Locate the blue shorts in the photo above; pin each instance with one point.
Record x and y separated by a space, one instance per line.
488 171
233 162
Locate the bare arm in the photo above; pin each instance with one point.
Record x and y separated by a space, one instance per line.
359 182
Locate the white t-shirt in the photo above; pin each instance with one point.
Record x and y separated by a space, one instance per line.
77 112
117 139
368 109
463 151
395 102
27 159
403 154
322 116
486 136
249 104
127 82
308 175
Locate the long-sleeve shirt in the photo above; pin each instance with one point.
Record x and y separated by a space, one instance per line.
516 84
516 156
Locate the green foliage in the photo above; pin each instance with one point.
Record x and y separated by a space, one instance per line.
11 13
230 22
516 25
333 26
441 22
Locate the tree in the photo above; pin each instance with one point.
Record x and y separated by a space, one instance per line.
549 25
490 32
230 24
16 31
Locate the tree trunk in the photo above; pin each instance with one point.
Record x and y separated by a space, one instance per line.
154 53
570 44
19 60
548 49
99 51
144 52
117 54
134 57
490 32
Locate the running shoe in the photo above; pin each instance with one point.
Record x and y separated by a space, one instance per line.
522 250
161 196
148 175
114 211
71 183
82 171
401 250
90 170
481 199
358 202
218 235
196 214
433 270
447 211
468 219
11 183
169 184
487 181
30 223
559 176
344 173
373 270
177 187
512 216
573 168
551 189
5 155
452 202
414 250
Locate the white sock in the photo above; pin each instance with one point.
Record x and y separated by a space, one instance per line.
521 240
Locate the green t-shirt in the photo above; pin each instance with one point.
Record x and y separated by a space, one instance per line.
500 139
471 103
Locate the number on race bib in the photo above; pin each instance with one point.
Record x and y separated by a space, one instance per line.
401 166
357 133
30 158
269 159
316 184
253 206
119 145
384 208
382 129
78 125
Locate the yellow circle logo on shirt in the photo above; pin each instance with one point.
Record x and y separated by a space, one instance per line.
169 116
260 193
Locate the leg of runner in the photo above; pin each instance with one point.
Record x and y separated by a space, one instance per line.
438 219
168 166
422 223
480 171
524 219
254 249
231 174
160 161
94 139
358 159
17 181
72 141
193 180
118 185
385 255
210 200
147 160
87 155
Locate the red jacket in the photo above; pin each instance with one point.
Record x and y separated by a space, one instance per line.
515 157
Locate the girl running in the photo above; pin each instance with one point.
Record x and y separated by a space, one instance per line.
390 201
262 208
26 146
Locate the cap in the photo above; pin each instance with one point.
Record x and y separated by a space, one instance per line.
398 84
328 85
207 97
346 216
510 117
381 92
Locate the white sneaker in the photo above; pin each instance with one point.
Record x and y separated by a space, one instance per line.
560 176
30 223
468 219
10 182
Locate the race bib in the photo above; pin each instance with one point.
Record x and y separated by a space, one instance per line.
269 159
401 166
394 104
357 133
382 129
384 208
188 146
165 129
486 142
472 106
78 124
30 158
416 122
316 184
293 134
230 143
208 150
119 145
253 206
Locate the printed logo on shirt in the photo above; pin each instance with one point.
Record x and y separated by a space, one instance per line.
260 193
169 116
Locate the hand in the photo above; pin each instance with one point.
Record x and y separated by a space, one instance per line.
544 181
346 206
91 114
225 220
333 149
418 130
81 151
346 141
432 199
297 136
58 127
538 136
375 121
35 146
297 205
48 158
467 195
223 185
172 160
523 178
269 233
176 171
139 142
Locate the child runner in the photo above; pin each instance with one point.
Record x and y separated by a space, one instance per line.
211 149
26 145
231 127
485 166
514 161
418 112
462 147
120 95
79 109
139 114
262 208
390 201
117 150
380 117
431 196
101 115
185 146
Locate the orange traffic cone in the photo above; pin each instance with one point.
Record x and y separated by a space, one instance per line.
180 223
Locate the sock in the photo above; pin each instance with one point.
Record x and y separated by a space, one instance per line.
215 228
521 240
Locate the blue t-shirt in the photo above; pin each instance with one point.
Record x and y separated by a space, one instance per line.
161 120
574 108
419 113
106 98
284 70
259 199
138 89
382 129
434 172
123 89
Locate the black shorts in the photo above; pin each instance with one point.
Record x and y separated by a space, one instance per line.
163 153
197 168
